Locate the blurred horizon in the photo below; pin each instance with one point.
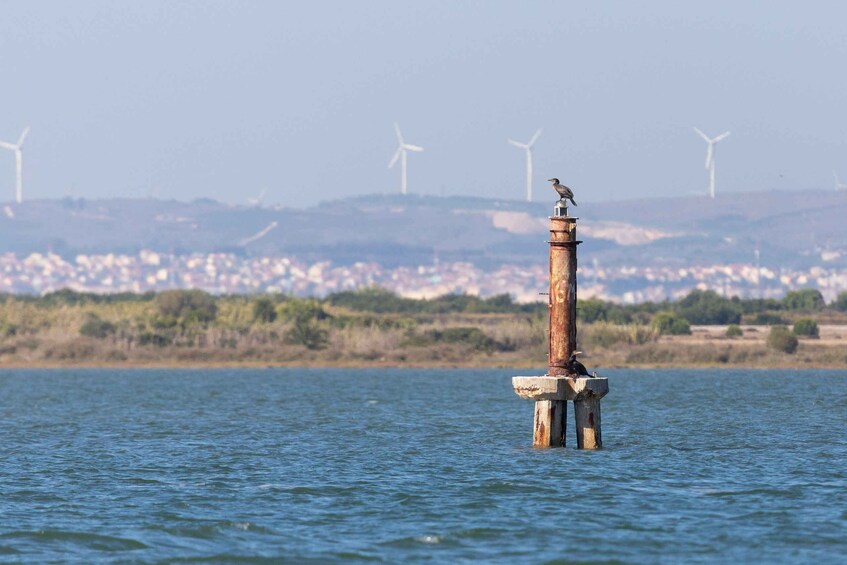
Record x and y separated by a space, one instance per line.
227 99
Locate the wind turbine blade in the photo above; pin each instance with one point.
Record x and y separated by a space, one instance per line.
396 157
534 137
724 135
23 136
7 145
703 135
710 154
521 145
408 147
837 182
399 135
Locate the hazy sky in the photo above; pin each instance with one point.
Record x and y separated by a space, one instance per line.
207 98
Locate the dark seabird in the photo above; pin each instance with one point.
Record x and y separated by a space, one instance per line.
574 367
565 193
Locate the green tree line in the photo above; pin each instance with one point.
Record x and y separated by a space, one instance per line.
180 316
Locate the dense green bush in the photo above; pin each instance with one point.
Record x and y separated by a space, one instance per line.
706 307
734 330
302 310
755 305
668 323
806 327
607 334
768 319
163 322
783 340
155 339
806 300
69 297
307 316
595 310
96 327
381 301
187 306
840 302
472 337
264 311
592 310
372 299
308 333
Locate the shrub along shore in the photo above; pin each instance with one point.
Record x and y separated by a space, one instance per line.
373 327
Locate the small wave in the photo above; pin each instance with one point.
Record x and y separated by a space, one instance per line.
89 540
241 558
270 486
413 542
143 481
480 533
768 492
35 496
210 531
320 491
355 556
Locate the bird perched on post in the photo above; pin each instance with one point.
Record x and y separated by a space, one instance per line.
574 367
565 193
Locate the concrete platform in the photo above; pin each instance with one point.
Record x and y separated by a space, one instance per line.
560 388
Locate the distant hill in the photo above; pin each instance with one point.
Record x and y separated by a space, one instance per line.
791 229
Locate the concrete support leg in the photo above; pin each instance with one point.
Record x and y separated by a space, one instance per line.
587 416
549 424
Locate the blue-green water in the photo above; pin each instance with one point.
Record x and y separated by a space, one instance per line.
400 465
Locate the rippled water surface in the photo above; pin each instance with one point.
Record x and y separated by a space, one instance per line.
403 465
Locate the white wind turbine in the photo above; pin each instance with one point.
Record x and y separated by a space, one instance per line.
256 202
710 157
402 149
838 184
528 147
19 163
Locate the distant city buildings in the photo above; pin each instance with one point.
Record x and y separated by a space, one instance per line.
222 273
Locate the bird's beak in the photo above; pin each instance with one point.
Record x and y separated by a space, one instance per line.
577 352
549 180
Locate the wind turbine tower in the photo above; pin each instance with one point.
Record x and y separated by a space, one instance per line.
402 150
710 157
256 202
19 163
528 148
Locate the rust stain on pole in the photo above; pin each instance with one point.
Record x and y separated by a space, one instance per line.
562 298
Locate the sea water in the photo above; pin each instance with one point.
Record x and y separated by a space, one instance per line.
394 465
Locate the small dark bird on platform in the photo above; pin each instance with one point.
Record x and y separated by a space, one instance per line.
565 193
574 367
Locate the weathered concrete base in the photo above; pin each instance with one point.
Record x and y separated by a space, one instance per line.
587 416
549 423
551 395
560 388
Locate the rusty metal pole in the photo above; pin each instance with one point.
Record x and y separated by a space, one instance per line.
586 403
562 298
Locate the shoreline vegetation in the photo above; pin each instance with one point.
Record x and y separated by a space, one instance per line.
376 328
